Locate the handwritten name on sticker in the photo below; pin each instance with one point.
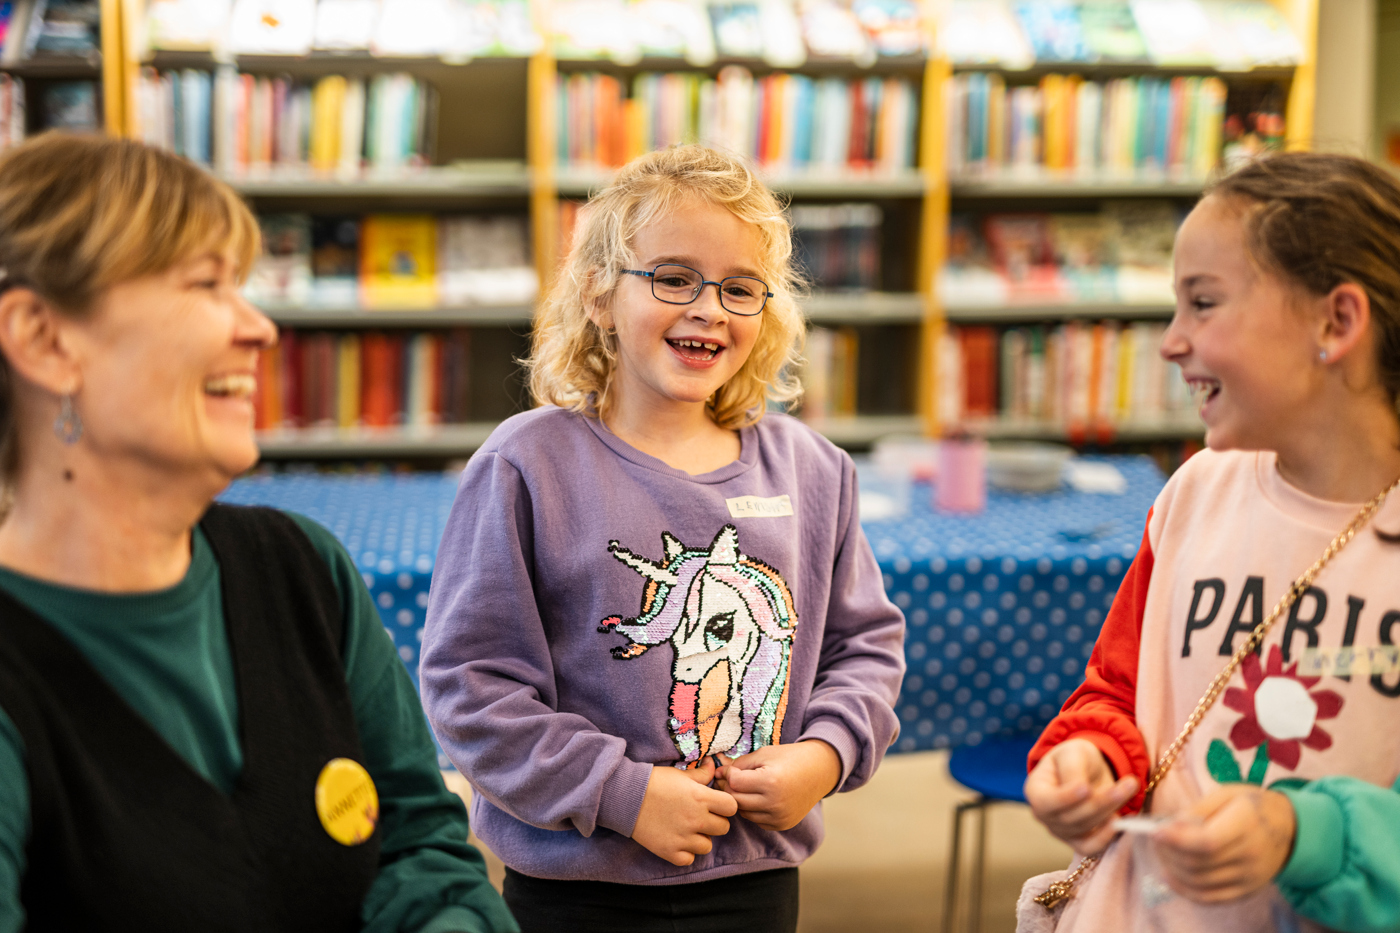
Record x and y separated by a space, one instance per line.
757 507
1343 662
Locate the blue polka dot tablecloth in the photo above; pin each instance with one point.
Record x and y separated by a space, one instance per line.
1003 607
390 524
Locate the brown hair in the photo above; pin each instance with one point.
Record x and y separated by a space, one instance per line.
81 213
1319 220
572 361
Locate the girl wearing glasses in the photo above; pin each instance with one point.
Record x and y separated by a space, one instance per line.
657 636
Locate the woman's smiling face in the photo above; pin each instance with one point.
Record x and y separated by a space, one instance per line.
670 355
169 367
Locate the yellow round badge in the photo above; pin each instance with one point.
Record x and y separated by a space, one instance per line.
346 801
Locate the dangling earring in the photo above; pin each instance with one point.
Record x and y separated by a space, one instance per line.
68 426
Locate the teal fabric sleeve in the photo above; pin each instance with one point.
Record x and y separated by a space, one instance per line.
431 880
1344 872
14 824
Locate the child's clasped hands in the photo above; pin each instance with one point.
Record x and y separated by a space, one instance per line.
1230 843
774 787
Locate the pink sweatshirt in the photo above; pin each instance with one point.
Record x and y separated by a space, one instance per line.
1225 539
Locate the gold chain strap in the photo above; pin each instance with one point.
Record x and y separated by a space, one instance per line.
1063 890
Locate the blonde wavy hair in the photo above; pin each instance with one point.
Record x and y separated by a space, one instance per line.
572 360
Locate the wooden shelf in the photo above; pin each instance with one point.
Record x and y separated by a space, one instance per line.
1129 70
1128 311
57 67
864 307
461 439
883 64
1041 186
910 184
821 308
1170 429
491 180
343 317
863 430
352 61
443 440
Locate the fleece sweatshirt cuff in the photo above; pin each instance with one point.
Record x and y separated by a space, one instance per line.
833 733
1318 842
622 795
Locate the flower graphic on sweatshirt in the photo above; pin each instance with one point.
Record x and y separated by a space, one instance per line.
1281 709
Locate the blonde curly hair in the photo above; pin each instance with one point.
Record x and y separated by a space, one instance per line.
572 360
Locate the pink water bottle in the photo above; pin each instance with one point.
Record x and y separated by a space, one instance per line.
962 475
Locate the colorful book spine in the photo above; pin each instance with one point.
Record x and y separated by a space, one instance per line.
240 123
784 122
1068 125
12 111
324 380
1085 378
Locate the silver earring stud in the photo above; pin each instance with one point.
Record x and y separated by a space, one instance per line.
1322 356
68 426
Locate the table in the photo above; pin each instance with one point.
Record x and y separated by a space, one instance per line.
391 525
1002 608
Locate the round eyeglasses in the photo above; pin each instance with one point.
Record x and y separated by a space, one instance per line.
675 284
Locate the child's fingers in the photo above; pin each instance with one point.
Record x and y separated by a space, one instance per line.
1049 798
1086 811
719 802
1070 768
750 781
714 825
703 772
1191 838
1096 840
750 803
699 844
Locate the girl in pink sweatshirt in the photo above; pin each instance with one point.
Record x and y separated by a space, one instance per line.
1283 805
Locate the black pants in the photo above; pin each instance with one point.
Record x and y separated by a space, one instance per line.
757 902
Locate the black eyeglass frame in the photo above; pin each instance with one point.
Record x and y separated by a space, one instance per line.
719 286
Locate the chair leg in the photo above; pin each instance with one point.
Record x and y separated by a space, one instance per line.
950 888
979 868
952 892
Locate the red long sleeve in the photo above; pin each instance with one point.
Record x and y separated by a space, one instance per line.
1102 709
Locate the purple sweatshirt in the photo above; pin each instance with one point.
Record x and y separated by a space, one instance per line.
595 612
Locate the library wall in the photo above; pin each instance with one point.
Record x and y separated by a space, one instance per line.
983 194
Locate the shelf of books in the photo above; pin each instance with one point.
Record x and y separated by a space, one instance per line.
973 215
1077 136
51 67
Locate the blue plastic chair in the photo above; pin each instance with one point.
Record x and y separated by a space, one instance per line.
996 769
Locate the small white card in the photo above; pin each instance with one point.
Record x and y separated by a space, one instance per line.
1145 825
757 507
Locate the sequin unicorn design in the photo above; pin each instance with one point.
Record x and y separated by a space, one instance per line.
730 619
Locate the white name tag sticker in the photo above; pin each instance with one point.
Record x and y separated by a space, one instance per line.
1344 662
758 507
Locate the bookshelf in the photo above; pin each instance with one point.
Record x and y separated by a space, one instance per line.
990 188
315 318
48 82
1060 311
497 149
